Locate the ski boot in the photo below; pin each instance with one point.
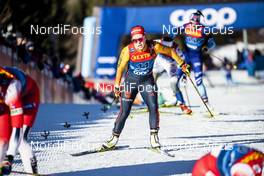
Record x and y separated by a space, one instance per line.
7 165
211 108
185 109
154 139
205 100
111 143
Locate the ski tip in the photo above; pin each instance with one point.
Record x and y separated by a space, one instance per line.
99 150
161 151
189 114
212 115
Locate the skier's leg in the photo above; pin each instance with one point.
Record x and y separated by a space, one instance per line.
128 95
14 143
198 74
5 134
171 68
5 131
185 109
31 102
150 98
180 75
13 99
177 89
3 149
27 156
149 94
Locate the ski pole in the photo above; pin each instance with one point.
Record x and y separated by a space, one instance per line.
106 107
111 104
222 60
188 100
211 114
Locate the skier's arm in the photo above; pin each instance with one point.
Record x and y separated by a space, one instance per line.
210 43
122 64
169 52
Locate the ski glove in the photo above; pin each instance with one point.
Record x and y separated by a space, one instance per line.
186 69
117 91
205 49
6 168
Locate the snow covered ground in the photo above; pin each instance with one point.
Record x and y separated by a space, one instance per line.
241 120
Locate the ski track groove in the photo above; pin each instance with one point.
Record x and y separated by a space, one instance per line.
188 137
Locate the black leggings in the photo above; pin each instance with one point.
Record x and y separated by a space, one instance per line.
148 90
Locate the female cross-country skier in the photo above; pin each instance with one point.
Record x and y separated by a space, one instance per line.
138 57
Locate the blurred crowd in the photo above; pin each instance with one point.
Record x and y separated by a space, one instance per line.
33 56
50 64
250 60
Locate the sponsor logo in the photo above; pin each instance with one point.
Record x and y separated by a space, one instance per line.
140 57
131 50
192 32
212 17
139 72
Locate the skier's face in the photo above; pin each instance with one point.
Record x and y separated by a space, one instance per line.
195 19
139 41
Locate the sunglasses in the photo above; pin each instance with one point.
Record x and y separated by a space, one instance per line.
138 40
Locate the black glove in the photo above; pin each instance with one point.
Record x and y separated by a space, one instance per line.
204 49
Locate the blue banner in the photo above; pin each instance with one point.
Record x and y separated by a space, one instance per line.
117 21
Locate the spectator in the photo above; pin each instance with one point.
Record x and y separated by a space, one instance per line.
250 63
259 60
20 47
228 71
78 83
29 47
239 59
